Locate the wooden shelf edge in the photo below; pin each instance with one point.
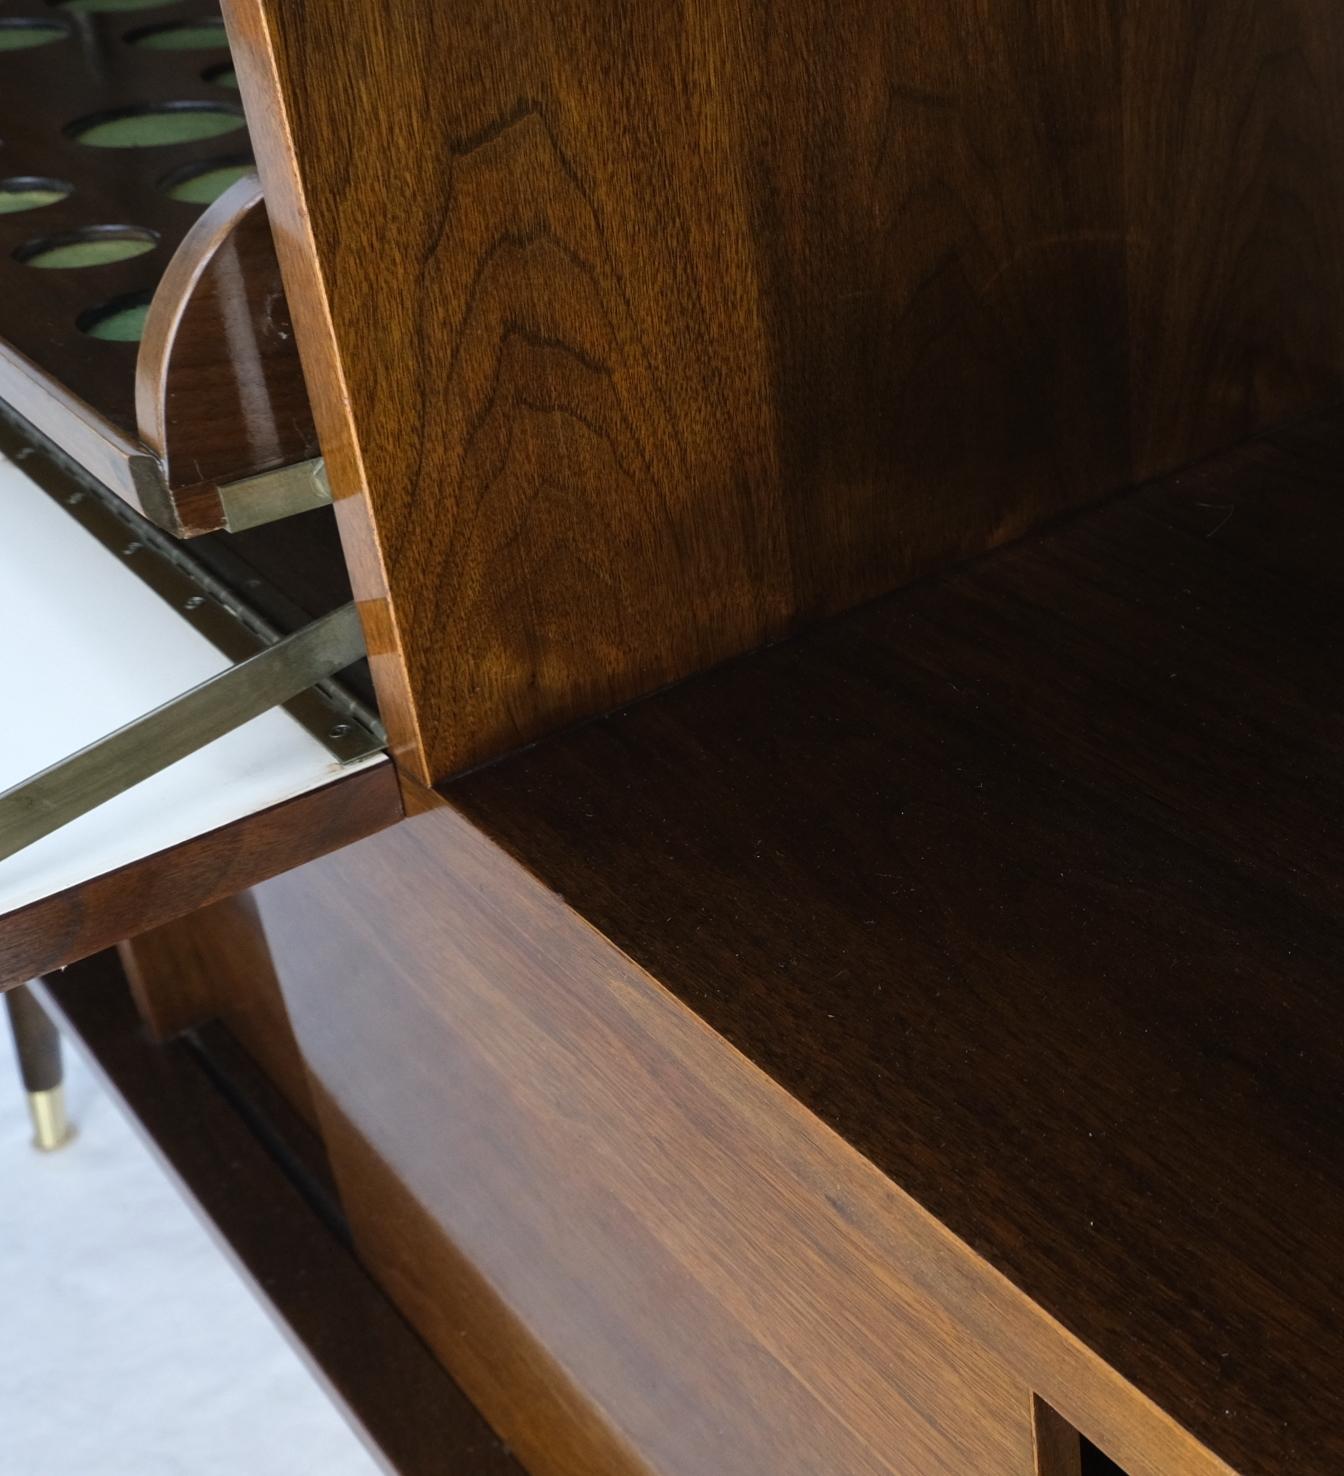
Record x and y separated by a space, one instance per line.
105 451
71 925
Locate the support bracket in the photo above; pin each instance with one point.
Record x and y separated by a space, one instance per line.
97 773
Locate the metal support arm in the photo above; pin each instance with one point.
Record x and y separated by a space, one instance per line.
73 786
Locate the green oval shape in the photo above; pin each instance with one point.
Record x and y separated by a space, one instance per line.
119 325
24 194
158 127
90 252
23 35
205 36
208 185
110 7
117 320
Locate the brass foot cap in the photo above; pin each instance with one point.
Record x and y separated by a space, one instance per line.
51 1127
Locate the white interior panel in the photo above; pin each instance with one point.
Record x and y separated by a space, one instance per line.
85 646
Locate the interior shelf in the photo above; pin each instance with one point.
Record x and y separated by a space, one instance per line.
1029 880
144 327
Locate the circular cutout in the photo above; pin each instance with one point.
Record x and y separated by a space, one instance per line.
223 75
156 125
206 35
18 34
29 192
205 181
120 321
94 246
109 7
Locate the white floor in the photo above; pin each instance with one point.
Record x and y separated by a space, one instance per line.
128 1345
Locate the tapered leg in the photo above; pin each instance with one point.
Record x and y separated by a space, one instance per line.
38 1046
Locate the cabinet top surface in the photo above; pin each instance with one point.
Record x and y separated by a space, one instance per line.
1028 881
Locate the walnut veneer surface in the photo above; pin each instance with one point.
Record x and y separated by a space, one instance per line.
1030 883
641 335
1025 881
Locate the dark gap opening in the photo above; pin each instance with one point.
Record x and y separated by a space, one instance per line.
1097 1463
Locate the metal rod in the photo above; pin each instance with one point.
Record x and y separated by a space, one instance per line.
104 769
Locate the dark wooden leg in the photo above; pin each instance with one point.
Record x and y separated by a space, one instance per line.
37 1044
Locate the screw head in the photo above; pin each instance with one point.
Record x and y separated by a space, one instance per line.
194 603
339 730
133 546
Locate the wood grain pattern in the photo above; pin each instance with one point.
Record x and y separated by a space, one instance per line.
72 925
219 390
214 964
640 337
1025 882
1028 882
1234 130
634 1250
360 1350
635 337
714 1339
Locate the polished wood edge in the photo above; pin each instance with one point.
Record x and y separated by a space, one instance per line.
105 452
59 930
1091 1395
388 1385
252 44
180 279
219 391
195 509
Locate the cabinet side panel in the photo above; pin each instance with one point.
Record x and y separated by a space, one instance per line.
638 335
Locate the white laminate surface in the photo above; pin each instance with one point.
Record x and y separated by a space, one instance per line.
85 646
